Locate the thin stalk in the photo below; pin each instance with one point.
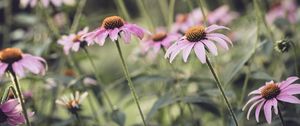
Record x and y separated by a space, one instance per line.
15 80
132 89
281 117
98 79
77 17
93 109
295 57
171 13
123 9
164 9
202 11
219 85
146 14
245 85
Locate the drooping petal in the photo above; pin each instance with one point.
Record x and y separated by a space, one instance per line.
254 92
18 69
113 34
219 41
268 111
211 46
3 67
187 51
200 52
174 47
9 105
257 111
135 30
252 106
126 36
177 50
274 104
287 82
288 98
220 36
255 98
291 89
215 27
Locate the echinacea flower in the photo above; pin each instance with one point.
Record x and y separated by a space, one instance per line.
73 102
222 15
14 60
112 27
161 39
184 21
268 96
11 113
199 38
286 9
73 41
45 3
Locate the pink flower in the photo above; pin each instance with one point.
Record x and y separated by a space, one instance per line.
73 41
155 42
45 3
73 102
199 38
267 97
112 27
11 113
14 60
185 21
221 15
286 9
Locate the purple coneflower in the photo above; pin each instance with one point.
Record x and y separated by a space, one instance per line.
45 3
155 42
11 113
73 102
185 21
14 60
112 27
222 15
286 9
199 38
73 41
268 96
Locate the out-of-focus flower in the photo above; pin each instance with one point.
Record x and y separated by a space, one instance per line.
199 38
161 39
112 27
221 16
46 3
73 102
73 41
14 60
60 19
11 113
69 73
283 46
286 9
185 21
268 96
88 81
50 83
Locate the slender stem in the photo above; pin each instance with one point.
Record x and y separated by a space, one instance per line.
98 79
245 85
295 57
15 80
132 89
171 13
93 109
123 9
202 11
146 14
77 17
281 117
219 85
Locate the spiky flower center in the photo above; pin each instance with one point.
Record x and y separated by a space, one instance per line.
73 104
113 22
77 38
159 36
10 55
3 116
195 34
270 91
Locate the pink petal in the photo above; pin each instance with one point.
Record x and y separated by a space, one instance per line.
187 51
3 67
287 82
291 89
134 29
113 34
288 98
274 103
200 52
255 98
176 45
211 46
76 46
220 36
257 111
215 27
252 106
126 36
268 110
9 105
100 38
18 69
177 50
254 92
219 41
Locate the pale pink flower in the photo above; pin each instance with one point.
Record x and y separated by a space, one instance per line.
221 16
268 96
11 113
73 41
73 102
286 9
112 27
46 3
185 21
199 38
14 60
161 39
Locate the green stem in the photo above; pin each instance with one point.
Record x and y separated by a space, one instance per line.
146 14
219 85
202 11
132 89
123 9
295 57
171 13
93 109
164 9
15 80
99 79
245 85
281 117
8 21
77 17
